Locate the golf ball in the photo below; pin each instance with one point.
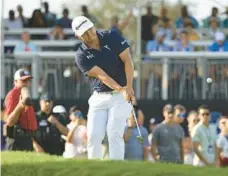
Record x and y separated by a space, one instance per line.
209 80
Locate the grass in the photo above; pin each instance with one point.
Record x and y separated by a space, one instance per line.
33 164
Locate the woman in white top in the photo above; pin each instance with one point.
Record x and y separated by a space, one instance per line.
76 140
222 142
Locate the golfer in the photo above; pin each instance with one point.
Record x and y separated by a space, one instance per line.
105 58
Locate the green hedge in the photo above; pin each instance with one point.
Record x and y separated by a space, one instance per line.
33 164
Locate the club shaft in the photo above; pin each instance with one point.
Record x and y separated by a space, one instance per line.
137 125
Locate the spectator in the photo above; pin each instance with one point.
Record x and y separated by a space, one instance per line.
185 17
25 45
76 140
179 114
165 27
57 33
193 119
23 19
19 115
214 14
50 129
50 18
225 21
65 21
214 28
184 44
148 22
157 44
164 14
12 22
203 141
222 143
134 150
37 20
153 124
220 43
119 26
193 36
168 139
85 12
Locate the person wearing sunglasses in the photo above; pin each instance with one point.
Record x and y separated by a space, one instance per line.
203 141
222 143
76 140
168 139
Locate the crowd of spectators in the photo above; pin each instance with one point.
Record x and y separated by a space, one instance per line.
185 137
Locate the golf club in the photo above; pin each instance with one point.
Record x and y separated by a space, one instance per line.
139 138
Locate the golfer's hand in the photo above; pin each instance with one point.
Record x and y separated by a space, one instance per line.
129 94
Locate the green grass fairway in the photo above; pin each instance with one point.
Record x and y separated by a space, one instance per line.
33 164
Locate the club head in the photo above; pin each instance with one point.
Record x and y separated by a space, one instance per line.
140 139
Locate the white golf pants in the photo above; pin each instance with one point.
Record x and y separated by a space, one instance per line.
107 113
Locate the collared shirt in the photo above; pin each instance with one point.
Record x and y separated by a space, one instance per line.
107 58
27 117
25 47
134 150
203 135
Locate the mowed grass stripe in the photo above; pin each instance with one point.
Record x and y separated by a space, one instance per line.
33 164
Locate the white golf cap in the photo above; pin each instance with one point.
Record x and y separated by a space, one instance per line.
59 109
22 74
80 25
219 36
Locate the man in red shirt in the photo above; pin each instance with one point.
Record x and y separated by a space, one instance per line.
20 118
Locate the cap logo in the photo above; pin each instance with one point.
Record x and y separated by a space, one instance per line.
77 28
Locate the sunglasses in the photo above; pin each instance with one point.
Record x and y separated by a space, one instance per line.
79 114
196 120
205 114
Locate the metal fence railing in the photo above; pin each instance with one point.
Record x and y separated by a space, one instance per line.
168 75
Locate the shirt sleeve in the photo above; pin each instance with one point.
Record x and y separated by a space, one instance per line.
117 43
83 63
155 137
220 142
10 103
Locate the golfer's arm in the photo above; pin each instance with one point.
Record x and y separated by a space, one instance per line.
63 130
106 79
13 116
128 65
145 153
198 153
70 135
127 134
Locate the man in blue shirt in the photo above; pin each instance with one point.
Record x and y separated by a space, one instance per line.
134 150
65 22
220 44
105 58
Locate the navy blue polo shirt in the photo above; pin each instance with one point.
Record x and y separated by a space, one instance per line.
107 58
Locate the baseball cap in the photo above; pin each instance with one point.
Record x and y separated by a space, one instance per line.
22 74
152 121
219 36
59 109
80 25
46 96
